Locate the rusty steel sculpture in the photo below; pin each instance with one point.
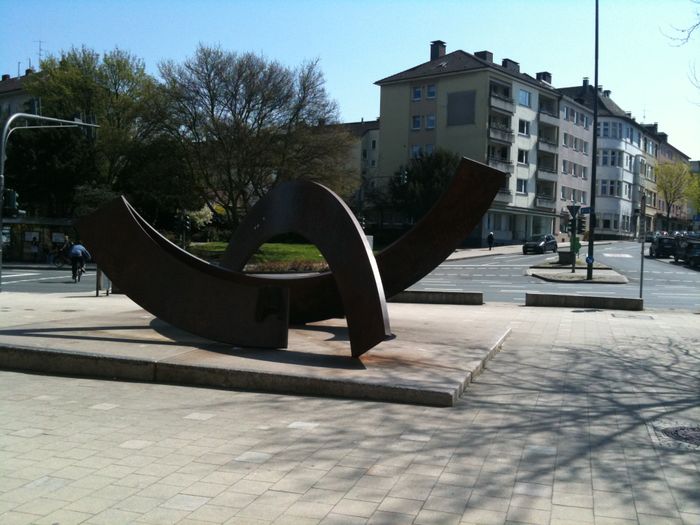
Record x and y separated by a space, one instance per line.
227 305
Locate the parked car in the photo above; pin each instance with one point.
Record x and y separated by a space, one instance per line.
662 246
540 244
687 249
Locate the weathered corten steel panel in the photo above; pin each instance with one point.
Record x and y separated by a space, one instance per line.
181 289
456 213
318 214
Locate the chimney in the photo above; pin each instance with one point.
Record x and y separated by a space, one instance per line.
484 55
28 72
5 77
511 65
606 93
437 49
585 81
544 76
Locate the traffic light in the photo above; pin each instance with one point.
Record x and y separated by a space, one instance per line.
10 204
581 226
572 225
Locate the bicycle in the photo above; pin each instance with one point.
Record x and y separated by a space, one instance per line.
60 260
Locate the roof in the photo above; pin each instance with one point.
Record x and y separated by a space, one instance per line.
11 84
585 94
459 62
358 129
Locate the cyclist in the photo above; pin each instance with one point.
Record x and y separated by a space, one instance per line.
78 256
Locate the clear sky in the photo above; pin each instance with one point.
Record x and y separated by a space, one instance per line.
361 41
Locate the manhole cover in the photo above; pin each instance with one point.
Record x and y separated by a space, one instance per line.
675 434
689 435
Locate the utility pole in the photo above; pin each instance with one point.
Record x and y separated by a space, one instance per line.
7 131
594 156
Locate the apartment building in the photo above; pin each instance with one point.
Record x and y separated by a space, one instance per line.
681 213
627 158
493 113
14 97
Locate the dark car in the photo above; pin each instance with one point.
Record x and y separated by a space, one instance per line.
540 244
688 249
662 246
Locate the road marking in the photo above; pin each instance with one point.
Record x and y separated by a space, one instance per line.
617 255
42 279
20 274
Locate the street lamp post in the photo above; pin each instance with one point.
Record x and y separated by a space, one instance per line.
594 155
6 132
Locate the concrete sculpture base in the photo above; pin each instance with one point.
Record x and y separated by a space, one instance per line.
114 338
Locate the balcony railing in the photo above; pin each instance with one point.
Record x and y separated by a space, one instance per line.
547 173
548 118
545 203
501 134
502 103
545 144
503 195
501 164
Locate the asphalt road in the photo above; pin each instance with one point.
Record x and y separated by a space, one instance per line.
502 278
41 280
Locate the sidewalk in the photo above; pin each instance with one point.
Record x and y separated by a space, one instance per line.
565 426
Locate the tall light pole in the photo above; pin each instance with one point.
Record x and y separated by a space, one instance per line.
594 155
7 131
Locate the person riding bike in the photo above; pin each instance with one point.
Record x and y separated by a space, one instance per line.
78 256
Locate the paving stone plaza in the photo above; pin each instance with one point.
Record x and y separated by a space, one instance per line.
565 426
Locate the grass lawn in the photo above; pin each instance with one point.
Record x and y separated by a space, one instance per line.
270 257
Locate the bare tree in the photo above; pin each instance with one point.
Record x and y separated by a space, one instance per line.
246 122
672 181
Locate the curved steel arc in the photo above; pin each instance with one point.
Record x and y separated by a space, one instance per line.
414 255
318 214
181 289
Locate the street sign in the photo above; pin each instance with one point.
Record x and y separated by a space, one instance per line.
585 210
589 260
573 209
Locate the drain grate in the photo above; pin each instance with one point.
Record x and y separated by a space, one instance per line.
690 435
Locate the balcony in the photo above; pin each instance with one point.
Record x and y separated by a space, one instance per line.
504 195
504 104
547 173
547 117
501 134
501 164
545 203
544 144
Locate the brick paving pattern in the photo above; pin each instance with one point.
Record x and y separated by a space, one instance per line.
557 430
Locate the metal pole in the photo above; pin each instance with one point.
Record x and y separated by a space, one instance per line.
6 131
642 212
594 156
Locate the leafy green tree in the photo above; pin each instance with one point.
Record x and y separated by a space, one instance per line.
693 192
672 182
244 123
415 189
84 168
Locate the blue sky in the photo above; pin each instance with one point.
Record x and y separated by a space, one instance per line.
359 42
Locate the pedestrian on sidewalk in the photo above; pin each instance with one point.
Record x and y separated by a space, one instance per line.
489 239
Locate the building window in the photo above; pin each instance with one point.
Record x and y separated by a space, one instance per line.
567 140
430 122
521 186
374 144
429 149
524 98
415 151
364 153
565 166
431 91
415 122
373 163
524 127
417 93
522 156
